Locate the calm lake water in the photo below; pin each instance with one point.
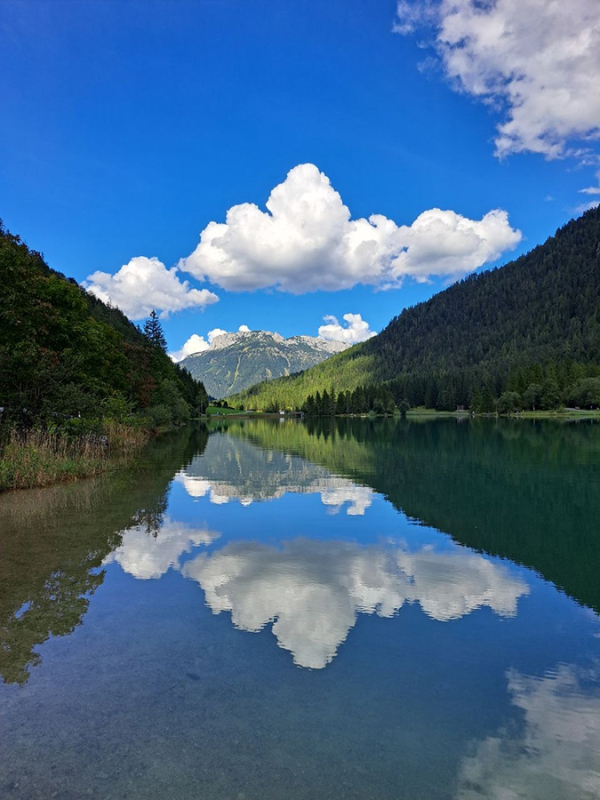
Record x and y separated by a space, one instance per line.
269 610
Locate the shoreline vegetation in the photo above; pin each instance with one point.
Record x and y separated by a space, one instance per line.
566 414
35 458
81 386
330 408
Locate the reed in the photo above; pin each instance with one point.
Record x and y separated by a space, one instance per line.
124 437
39 457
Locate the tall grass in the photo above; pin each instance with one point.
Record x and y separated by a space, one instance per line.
124 437
40 458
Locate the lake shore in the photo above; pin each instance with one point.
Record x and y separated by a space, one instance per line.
564 414
39 458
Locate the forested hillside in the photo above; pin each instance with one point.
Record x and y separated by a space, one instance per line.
65 354
530 326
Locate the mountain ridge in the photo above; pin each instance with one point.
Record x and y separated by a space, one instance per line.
236 361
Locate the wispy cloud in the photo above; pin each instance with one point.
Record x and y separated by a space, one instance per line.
537 62
592 189
586 206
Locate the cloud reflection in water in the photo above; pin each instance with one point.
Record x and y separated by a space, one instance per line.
145 556
335 492
557 751
312 591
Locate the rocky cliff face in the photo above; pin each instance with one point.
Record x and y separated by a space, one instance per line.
236 361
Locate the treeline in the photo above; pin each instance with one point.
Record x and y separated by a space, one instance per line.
67 359
495 332
533 388
364 399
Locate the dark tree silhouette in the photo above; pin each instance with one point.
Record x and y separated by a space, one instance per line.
153 331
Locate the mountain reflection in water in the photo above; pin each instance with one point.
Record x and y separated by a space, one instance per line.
235 469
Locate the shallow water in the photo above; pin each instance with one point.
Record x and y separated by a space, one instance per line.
351 609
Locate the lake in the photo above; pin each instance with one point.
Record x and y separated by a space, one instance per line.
266 609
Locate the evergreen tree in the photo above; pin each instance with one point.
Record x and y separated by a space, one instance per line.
153 331
532 396
550 392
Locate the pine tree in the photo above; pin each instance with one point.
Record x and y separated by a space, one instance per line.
153 331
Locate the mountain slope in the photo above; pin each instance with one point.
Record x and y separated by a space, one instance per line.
494 329
64 353
236 361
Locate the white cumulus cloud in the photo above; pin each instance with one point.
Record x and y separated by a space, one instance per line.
536 61
306 241
195 344
144 284
357 329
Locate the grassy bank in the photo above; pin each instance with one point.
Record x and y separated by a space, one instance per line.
37 458
218 411
559 414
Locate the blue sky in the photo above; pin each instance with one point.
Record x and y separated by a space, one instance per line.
128 127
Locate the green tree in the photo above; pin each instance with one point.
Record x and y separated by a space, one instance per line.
509 402
487 403
585 393
532 396
550 393
153 331
533 321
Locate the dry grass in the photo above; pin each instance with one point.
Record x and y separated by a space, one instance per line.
124 437
40 458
